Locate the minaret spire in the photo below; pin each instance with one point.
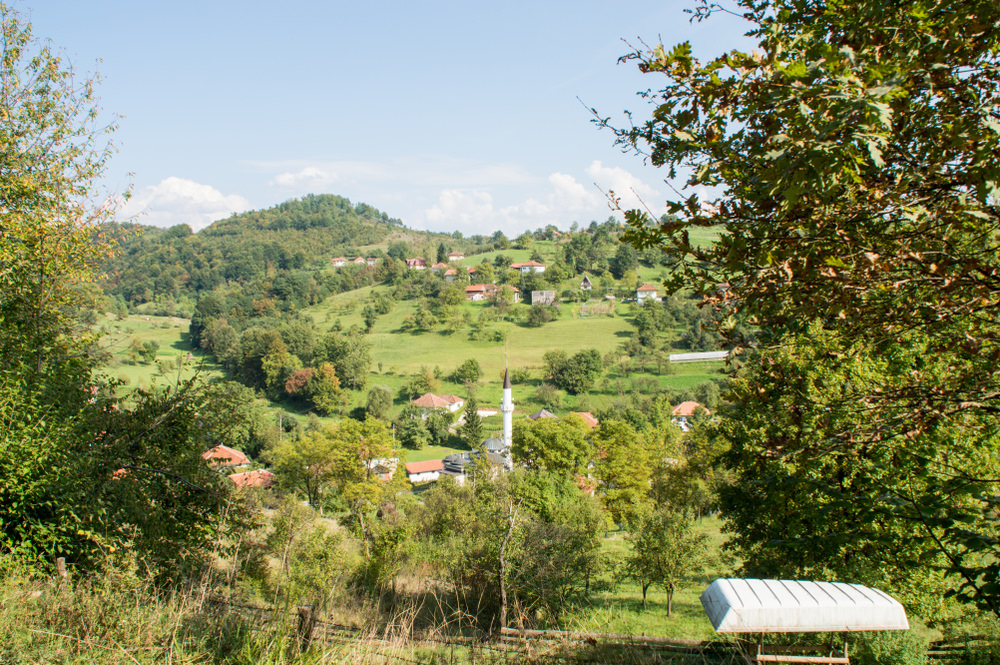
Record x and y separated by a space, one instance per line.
507 408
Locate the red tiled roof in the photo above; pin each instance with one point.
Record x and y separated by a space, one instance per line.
432 401
257 478
588 418
528 264
647 287
688 409
226 456
424 467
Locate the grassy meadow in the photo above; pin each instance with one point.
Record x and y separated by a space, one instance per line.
175 359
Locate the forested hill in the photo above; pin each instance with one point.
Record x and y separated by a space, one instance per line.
156 264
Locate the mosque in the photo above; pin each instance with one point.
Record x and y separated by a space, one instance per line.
498 451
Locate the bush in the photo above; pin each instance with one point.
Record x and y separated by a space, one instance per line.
890 648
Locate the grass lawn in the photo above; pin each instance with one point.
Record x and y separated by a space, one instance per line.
175 358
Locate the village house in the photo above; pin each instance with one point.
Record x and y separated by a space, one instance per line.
371 261
416 264
225 456
429 401
422 472
477 292
645 292
257 478
585 284
530 266
684 412
360 261
587 417
543 297
383 468
455 256
338 262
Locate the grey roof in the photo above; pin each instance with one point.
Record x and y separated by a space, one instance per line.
542 413
795 606
493 445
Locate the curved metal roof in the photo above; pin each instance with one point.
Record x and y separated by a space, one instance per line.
792 606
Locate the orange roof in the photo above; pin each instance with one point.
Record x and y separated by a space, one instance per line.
432 401
424 467
226 456
588 418
646 287
528 264
257 478
688 409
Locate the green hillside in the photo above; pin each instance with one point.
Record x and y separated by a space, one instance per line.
257 299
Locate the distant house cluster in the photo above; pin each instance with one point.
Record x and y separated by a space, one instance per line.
341 261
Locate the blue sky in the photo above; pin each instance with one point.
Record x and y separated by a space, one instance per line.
447 115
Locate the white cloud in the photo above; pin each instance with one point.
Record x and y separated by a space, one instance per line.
561 199
178 201
309 178
632 192
462 209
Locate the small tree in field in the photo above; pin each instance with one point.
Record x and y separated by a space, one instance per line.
665 551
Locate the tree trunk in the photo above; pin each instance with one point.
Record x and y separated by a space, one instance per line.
502 561
644 588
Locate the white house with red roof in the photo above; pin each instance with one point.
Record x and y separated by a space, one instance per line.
429 401
338 262
530 266
422 472
645 292
416 263
456 256
684 412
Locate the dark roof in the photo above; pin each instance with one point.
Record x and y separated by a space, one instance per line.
493 445
542 413
506 379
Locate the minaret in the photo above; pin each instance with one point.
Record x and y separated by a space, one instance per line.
507 407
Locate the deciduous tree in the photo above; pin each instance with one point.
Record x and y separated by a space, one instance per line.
850 164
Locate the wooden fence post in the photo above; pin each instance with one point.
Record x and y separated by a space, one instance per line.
307 621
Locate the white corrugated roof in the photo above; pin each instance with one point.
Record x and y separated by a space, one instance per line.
792 606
